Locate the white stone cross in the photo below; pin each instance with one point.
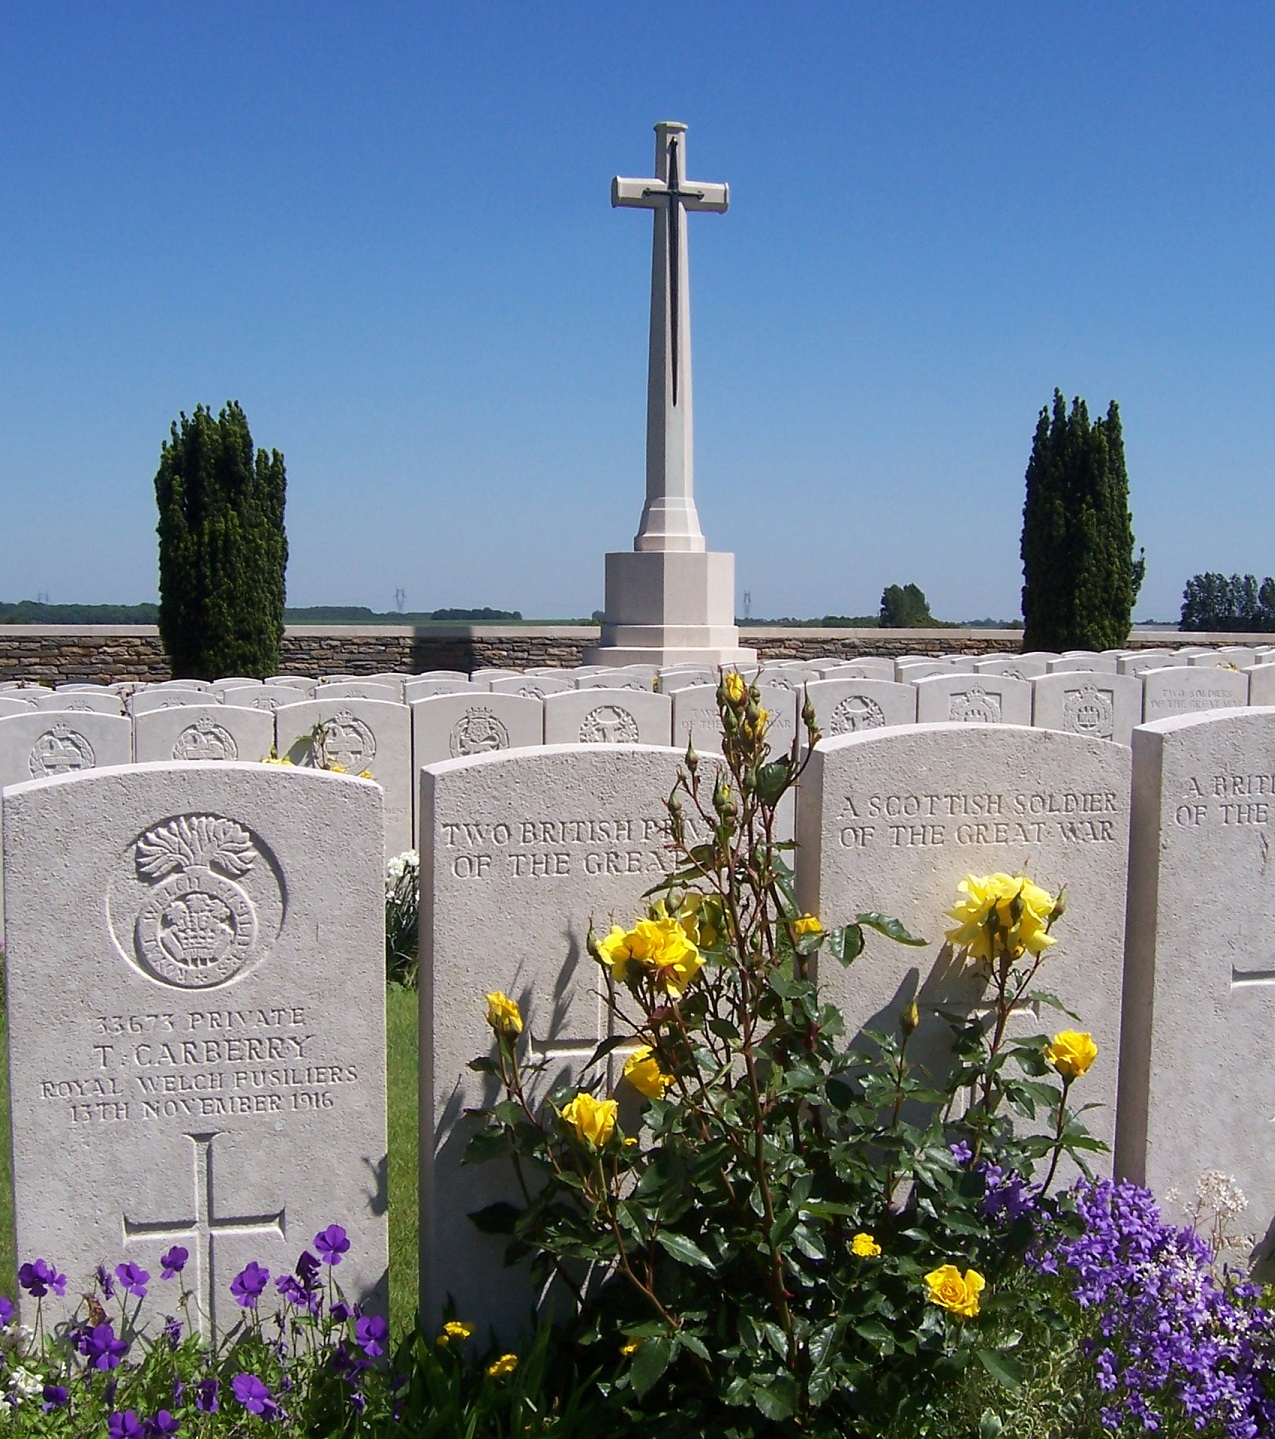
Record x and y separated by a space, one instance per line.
203 1227
669 520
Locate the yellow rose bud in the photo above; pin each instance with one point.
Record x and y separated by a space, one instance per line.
957 1294
808 924
865 1246
733 684
910 1018
1071 1052
503 1014
643 1072
592 1119
631 1347
506 1364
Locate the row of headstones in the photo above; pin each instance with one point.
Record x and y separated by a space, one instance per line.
195 980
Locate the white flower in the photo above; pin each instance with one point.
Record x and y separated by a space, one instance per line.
15 1338
24 1384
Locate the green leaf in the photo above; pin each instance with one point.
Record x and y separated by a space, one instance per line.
772 780
606 1046
845 944
777 1398
990 1425
891 928
486 1144
496 1218
1001 1367
684 1250
649 1363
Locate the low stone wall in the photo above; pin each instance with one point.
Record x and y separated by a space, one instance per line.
61 654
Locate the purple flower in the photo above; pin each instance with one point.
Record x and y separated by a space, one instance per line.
961 1151
1005 1193
357 1402
174 1262
101 1348
125 1425
206 1396
38 1278
7 1311
308 1269
172 1330
105 1283
340 1312
331 1243
254 1395
161 1426
348 1364
248 1284
133 1279
55 1396
372 1332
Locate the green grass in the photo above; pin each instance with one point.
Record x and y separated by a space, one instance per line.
401 1055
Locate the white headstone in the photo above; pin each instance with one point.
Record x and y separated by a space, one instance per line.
973 699
461 726
196 1022
608 716
13 704
846 706
96 701
521 851
1232 656
421 689
1102 706
1184 689
1015 667
159 697
260 697
870 667
204 732
891 820
359 690
1197 1083
617 679
358 735
1085 662
1261 684
531 686
38 744
1137 664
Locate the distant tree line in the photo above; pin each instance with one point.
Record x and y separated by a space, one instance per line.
32 612
1214 602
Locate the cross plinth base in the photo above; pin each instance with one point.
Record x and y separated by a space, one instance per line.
669 607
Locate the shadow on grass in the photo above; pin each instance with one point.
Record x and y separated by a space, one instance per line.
400 1023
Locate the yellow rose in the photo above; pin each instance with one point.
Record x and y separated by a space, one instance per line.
334 768
755 723
1071 1052
592 1119
614 951
503 1014
736 689
1001 914
631 1347
506 1364
664 948
643 1072
808 924
365 774
865 1246
956 1294
453 1329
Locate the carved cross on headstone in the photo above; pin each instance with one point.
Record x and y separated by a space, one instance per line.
203 1227
670 520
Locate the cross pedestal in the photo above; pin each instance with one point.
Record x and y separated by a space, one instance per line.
670 600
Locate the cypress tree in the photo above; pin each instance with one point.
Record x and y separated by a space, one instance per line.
222 548
1080 578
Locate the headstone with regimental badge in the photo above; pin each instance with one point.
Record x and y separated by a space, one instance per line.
196 1023
606 716
1094 703
846 706
973 699
357 735
203 732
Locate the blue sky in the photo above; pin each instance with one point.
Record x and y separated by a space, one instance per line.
385 229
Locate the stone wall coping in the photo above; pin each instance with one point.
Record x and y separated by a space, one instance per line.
1011 638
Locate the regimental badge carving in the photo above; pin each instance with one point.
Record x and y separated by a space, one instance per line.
60 750
975 706
780 681
854 713
205 739
1090 711
609 724
531 692
478 731
196 901
347 742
